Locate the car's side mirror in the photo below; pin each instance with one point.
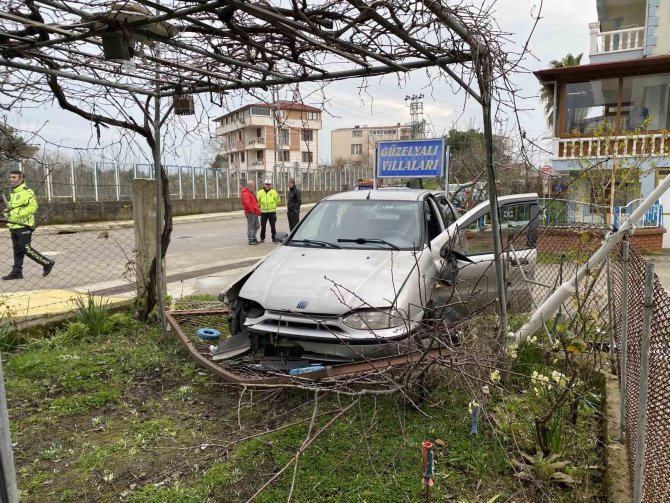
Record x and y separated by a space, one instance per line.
449 254
281 236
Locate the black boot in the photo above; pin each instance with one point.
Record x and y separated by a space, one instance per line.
48 267
13 275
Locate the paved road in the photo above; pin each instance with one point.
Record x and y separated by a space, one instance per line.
204 256
98 259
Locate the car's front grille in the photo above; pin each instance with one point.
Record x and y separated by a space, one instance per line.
305 325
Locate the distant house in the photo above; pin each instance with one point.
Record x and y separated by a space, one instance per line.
626 82
261 137
356 145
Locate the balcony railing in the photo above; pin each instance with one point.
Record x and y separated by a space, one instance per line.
627 39
652 218
256 141
619 146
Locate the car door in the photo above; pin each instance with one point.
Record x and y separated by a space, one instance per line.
467 278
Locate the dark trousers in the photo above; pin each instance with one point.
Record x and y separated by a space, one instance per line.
21 243
293 217
272 217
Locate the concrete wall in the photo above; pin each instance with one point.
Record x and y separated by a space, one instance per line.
90 211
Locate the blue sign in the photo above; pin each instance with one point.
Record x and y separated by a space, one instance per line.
410 158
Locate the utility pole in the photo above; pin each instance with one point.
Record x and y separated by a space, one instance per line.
416 115
416 127
277 132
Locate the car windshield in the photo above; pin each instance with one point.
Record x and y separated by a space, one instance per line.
362 224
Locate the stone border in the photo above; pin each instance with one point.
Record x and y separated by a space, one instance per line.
618 486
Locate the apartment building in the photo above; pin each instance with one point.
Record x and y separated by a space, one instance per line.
262 137
357 144
625 84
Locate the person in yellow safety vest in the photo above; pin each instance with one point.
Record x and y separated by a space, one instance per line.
268 199
20 218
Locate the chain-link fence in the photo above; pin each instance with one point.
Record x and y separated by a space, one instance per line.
595 314
646 366
107 181
96 258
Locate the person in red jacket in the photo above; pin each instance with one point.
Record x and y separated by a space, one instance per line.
251 210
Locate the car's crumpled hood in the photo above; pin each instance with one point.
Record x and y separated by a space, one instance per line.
331 281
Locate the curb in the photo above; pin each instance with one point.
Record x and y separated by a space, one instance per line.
617 481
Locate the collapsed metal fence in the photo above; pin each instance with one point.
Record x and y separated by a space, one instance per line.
109 181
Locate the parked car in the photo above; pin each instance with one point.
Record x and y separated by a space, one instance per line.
363 269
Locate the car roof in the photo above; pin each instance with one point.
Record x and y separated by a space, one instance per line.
386 194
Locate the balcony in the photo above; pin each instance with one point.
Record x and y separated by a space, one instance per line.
650 145
616 45
255 142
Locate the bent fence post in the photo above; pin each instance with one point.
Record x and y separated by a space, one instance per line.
640 445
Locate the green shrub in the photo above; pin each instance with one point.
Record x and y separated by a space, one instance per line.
92 314
76 331
119 322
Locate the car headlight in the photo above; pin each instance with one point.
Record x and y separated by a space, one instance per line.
374 319
253 309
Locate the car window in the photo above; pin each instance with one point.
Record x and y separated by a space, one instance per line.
514 219
446 210
396 222
433 226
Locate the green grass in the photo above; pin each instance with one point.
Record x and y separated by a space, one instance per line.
128 417
545 257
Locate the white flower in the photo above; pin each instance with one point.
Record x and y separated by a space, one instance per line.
64 358
558 378
495 376
512 351
532 339
472 405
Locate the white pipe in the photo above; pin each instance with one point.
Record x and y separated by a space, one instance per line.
563 293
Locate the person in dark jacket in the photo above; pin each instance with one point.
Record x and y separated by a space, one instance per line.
293 204
251 211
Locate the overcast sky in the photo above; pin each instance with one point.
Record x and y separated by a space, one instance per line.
563 29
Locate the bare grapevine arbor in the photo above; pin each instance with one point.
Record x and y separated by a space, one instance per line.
133 64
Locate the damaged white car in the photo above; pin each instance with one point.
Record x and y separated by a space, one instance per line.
363 269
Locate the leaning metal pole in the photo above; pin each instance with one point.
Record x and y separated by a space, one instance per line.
484 77
484 66
563 293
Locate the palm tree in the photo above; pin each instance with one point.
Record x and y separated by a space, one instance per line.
547 93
